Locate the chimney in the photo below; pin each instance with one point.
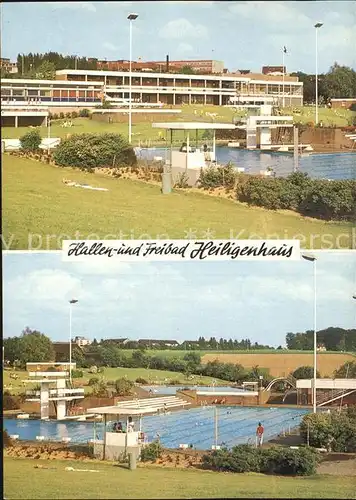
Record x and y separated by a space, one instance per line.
167 63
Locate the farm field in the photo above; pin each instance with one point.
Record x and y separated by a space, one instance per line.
113 481
134 210
285 363
143 131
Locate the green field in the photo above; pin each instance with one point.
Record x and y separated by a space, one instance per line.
152 376
23 481
39 211
143 131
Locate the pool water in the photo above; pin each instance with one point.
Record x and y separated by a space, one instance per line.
189 426
332 166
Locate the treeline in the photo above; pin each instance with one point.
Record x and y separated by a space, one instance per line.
332 338
200 344
34 61
338 82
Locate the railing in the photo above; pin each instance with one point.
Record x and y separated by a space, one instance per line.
334 396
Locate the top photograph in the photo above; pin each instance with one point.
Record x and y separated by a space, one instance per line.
178 120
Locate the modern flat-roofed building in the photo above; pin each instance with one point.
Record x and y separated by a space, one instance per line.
209 66
86 88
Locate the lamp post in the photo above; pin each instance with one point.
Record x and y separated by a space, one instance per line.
71 302
316 26
312 258
130 17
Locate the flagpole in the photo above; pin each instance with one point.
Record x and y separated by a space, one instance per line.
283 99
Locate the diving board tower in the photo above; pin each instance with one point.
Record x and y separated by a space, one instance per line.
264 123
52 378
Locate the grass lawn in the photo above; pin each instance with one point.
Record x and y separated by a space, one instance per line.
23 481
153 376
39 211
143 130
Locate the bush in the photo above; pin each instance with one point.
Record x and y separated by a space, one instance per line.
84 113
9 402
151 452
31 141
141 380
304 372
218 176
93 381
336 431
274 460
322 199
7 441
89 151
288 462
74 114
77 374
123 387
182 181
61 115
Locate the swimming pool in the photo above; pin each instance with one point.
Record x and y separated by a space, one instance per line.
322 166
190 426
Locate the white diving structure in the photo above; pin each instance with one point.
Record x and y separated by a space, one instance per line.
52 388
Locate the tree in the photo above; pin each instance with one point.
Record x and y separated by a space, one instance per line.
340 82
123 387
305 372
31 141
348 370
46 71
187 70
32 346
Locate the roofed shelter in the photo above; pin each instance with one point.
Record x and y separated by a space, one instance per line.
193 155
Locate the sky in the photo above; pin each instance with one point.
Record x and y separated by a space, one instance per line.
245 35
178 300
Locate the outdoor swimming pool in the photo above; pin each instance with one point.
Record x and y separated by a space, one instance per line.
190 426
323 166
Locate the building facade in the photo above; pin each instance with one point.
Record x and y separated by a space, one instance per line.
209 66
8 66
85 88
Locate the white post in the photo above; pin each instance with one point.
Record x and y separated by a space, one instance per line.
283 98
296 148
316 26
130 83
216 425
316 77
315 344
70 342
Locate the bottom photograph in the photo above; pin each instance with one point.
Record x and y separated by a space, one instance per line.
154 380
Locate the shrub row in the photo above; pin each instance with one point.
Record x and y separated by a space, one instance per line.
310 197
274 460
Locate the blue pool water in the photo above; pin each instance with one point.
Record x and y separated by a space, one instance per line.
169 390
189 426
323 166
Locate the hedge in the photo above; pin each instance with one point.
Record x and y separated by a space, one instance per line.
89 151
273 460
327 200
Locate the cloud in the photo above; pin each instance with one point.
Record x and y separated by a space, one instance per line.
184 47
281 15
50 287
89 6
182 28
110 46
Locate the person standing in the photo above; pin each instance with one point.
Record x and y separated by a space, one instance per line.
259 434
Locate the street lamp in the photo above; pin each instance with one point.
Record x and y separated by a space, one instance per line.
130 17
71 302
316 26
312 258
